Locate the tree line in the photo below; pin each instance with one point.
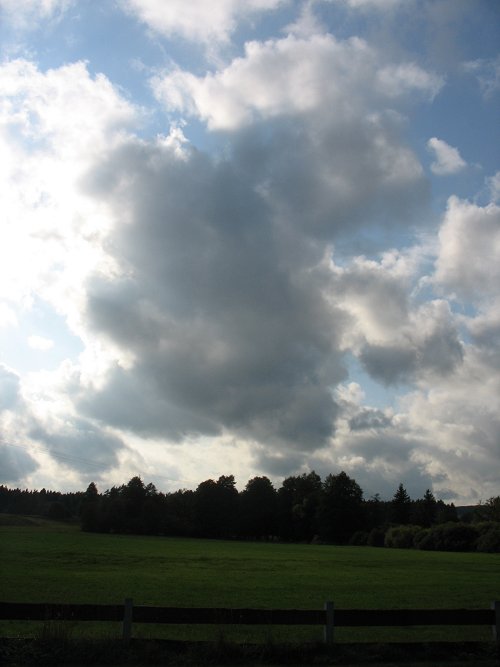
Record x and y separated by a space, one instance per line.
304 508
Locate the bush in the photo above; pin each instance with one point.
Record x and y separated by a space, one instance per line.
401 537
423 540
483 527
376 537
448 537
489 541
359 539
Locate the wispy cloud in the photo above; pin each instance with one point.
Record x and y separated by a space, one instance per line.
448 159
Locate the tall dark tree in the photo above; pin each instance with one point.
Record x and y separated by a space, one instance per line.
446 513
216 507
489 510
401 506
375 511
424 510
180 513
258 504
341 510
89 509
298 502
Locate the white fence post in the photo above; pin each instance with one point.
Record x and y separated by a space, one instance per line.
330 622
496 623
127 620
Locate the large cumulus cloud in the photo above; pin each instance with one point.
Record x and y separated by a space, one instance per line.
315 124
223 300
223 332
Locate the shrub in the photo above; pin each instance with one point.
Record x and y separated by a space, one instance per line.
483 527
376 537
489 541
359 539
423 539
449 537
401 537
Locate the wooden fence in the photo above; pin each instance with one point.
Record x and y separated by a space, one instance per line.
329 617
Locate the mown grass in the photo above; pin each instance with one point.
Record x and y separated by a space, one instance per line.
49 562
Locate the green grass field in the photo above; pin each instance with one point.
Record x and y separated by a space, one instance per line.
48 562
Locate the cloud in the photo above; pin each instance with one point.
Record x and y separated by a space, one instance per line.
23 14
494 186
396 337
401 79
368 419
293 76
225 331
322 173
40 343
9 389
222 296
468 263
197 20
448 159
50 236
487 72
77 443
380 5
458 420
16 464
434 347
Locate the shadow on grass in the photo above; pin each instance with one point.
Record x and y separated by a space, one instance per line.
66 651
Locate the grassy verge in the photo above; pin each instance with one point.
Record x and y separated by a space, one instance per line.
47 562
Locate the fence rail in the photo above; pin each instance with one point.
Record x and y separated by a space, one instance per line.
329 617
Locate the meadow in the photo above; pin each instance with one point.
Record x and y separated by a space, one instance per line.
53 562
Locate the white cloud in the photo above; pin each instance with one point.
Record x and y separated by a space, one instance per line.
24 14
8 316
372 4
468 264
448 159
293 76
197 20
494 186
458 417
51 239
487 72
50 234
396 338
401 79
40 343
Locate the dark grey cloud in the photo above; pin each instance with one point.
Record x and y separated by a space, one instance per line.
325 177
225 329
78 444
485 333
441 351
9 389
437 350
389 364
16 464
380 475
279 464
390 445
369 418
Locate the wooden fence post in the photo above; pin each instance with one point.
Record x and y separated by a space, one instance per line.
330 622
127 620
496 623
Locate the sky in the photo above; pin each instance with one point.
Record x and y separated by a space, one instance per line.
250 237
